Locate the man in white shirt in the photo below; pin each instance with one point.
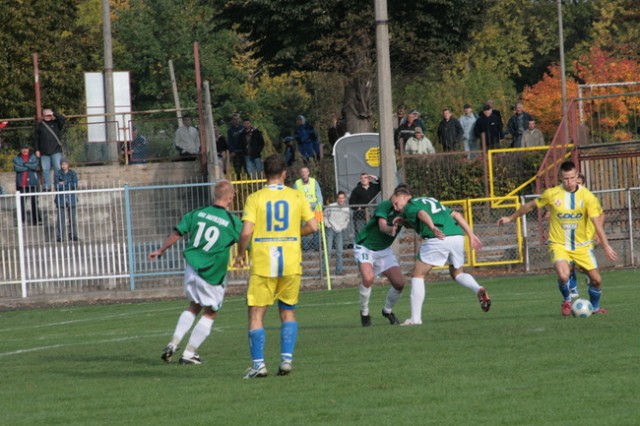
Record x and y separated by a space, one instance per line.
336 219
187 139
419 144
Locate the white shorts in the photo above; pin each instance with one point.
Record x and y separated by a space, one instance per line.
201 292
437 252
381 260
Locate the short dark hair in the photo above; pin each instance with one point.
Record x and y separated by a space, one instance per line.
402 189
341 193
567 166
274 165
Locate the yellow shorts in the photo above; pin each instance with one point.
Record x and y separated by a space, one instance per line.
584 257
263 291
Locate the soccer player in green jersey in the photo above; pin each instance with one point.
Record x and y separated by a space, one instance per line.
575 217
273 220
375 256
442 230
212 231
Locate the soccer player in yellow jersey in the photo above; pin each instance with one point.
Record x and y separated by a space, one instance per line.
273 220
573 208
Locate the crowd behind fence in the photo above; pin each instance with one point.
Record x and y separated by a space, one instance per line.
119 227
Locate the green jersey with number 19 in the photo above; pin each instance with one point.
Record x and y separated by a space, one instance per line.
212 231
440 215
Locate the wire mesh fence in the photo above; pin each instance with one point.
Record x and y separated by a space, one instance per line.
118 227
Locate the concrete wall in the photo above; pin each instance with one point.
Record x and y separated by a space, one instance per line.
117 175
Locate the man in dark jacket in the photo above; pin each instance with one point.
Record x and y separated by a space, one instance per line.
450 132
253 143
25 165
365 191
518 123
489 127
48 143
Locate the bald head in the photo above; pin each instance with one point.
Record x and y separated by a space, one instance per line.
224 194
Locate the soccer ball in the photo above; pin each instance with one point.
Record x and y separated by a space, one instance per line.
581 308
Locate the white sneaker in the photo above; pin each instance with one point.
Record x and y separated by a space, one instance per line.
253 373
410 322
285 368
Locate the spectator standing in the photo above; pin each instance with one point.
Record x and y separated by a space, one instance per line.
336 130
310 188
187 139
212 231
25 164
496 113
222 149
252 139
408 126
237 150
364 192
307 139
419 144
517 124
532 136
336 220
138 150
274 219
66 181
468 121
48 143
398 119
489 127
450 131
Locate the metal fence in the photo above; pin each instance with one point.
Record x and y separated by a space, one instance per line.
119 227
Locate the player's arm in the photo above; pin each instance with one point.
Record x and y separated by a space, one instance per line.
426 219
602 237
385 228
475 241
243 243
526 208
309 227
171 240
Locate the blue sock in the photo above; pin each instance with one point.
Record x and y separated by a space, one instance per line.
573 280
564 289
257 338
594 297
288 335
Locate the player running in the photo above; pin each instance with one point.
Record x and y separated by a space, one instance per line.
212 231
443 232
374 256
573 208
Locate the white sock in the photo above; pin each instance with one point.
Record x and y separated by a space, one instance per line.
393 296
199 333
416 299
184 324
365 295
467 280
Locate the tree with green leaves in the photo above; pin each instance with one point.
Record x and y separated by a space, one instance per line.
339 37
51 29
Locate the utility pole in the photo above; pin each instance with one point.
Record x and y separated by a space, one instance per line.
110 117
385 108
563 79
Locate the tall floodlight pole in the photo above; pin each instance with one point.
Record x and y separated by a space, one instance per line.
110 118
385 108
563 79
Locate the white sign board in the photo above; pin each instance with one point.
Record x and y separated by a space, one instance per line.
96 104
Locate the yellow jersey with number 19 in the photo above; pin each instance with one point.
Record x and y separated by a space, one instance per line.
277 213
571 214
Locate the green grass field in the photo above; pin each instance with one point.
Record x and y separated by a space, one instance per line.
520 364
